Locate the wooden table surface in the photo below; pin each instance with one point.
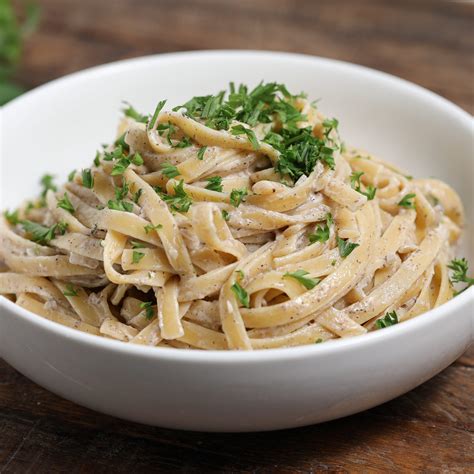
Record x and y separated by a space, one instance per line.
429 429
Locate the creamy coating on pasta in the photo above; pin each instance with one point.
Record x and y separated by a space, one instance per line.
235 221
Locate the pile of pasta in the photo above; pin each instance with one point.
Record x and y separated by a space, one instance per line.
148 256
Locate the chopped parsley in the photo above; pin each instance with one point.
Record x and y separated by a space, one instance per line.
137 159
42 234
200 154
149 227
237 196
120 166
241 295
97 159
121 192
137 256
389 319
71 175
318 341
225 215
120 205
65 203
345 247
151 123
129 111
87 178
137 245
241 130
179 201
12 217
370 191
407 201
120 142
47 183
300 276
70 291
322 232
169 170
460 267
137 195
214 184
146 305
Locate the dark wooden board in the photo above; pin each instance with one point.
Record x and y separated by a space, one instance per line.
429 429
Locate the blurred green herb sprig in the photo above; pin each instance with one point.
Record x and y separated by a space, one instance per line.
13 32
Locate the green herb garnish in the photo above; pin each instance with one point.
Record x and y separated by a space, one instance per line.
180 201
87 178
169 170
407 201
65 203
149 227
241 295
370 191
300 275
241 130
200 154
70 291
152 122
214 184
345 247
322 232
120 205
12 217
71 175
460 267
42 234
137 256
388 320
129 111
225 215
137 245
146 305
237 196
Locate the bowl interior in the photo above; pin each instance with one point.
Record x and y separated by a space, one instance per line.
58 127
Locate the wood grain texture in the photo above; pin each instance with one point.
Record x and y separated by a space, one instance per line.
430 429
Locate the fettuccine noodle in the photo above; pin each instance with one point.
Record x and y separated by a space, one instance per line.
232 224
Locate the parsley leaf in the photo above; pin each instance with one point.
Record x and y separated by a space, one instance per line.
241 295
225 215
70 290
137 256
322 233
152 122
137 159
237 196
356 184
66 204
120 166
12 217
149 227
388 320
214 184
137 245
201 152
136 196
121 192
87 178
300 275
241 130
345 247
169 170
407 201
180 201
130 111
71 175
146 305
42 234
120 205
460 267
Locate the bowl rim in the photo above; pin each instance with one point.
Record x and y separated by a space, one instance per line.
232 356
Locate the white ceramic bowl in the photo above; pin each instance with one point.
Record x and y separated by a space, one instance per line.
58 127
